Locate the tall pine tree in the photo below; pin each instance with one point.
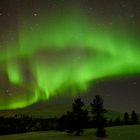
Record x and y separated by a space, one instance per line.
98 112
78 118
126 118
134 118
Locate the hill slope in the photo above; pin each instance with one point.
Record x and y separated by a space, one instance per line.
50 111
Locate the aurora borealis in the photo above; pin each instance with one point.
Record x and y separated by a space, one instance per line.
47 46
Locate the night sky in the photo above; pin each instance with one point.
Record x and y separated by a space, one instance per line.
87 46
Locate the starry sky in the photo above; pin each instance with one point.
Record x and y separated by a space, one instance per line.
48 47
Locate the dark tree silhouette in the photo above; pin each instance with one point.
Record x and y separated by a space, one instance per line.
117 121
110 123
126 118
98 112
70 122
78 118
62 122
134 117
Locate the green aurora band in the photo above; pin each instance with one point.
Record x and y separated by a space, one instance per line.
68 50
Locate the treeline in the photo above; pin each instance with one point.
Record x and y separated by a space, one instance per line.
25 123
126 119
74 121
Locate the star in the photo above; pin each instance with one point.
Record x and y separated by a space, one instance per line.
35 14
8 15
7 91
134 83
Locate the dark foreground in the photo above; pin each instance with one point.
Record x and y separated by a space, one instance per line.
114 133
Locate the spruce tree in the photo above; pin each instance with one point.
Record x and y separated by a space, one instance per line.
134 117
98 111
126 118
78 118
